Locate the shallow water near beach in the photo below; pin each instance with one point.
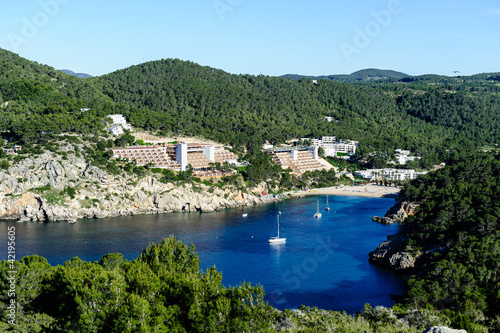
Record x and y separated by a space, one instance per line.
324 262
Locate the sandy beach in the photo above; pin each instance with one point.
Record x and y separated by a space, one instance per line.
374 191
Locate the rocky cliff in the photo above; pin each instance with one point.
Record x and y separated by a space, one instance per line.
66 188
394 252
397 213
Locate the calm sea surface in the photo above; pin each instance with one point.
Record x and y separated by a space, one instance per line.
323 263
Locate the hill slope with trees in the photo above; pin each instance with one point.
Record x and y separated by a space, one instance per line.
38 102
456 230
244 109
182 98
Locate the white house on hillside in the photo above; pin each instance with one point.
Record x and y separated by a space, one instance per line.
403 156
119 124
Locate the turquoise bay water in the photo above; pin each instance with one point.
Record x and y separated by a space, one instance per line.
323 263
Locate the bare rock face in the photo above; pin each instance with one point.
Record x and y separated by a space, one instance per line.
401 211
26 196
383 220
397 213
402 260
443 330
393 254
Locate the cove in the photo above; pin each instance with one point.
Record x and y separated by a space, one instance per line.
324 262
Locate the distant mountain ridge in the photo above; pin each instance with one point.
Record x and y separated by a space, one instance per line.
369 74
79 75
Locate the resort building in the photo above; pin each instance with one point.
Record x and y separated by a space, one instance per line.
199 156
298 159
332 147
389 174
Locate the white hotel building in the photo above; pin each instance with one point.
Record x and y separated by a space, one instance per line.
341 149
389 174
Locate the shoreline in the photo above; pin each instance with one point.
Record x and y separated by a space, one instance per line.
55 213
371 191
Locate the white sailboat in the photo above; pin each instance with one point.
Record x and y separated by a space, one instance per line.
327 208
276 240
318 214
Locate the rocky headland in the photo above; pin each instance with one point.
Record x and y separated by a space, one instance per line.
54 187
394 253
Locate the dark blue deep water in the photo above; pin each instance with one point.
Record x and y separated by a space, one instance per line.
324 262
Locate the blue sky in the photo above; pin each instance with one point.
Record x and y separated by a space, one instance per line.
257 36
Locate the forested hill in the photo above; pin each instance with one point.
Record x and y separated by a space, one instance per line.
38 102
457 229
184 97
428 115
370 74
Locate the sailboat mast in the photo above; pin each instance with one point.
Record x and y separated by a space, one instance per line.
278 225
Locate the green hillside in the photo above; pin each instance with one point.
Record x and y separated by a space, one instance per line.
457 231
423 114
183 97
38 102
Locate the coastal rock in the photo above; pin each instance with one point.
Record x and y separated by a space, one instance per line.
402 261
393 254
401 210
25 196
58 213
168 203
437 329
206 207
397 213
383 220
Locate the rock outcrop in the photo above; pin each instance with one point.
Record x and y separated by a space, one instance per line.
443 330
393 254
383 220
397 213
36 189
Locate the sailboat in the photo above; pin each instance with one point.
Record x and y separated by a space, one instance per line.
318 214
276 240
327 208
